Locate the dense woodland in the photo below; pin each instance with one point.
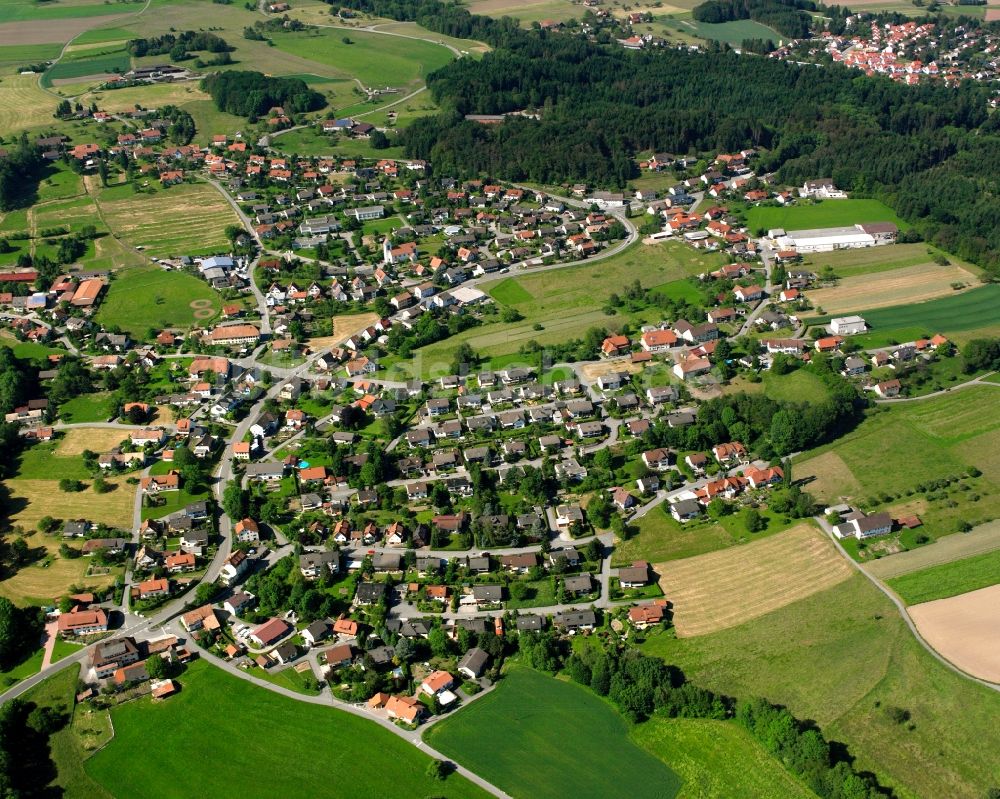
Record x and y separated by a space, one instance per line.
184 42
19 169
930 151
253 94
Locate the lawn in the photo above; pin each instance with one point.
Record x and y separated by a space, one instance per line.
948 579
377 60
287 678
299 745
23 670
717 760
173 502
40 462
826 213
96 407
29 350
843 657
802 385
149 297
539 737
187 219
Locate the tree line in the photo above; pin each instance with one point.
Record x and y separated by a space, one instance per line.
20 168
182 43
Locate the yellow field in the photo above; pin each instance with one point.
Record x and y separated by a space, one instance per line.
33 499
965 629
96 439
189 218
893 287
45 583
726 588
832 480
148 96
23 104
343 328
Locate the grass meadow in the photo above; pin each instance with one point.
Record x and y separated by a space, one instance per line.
187 219
149 297
826 213
844 658
948 579
539 737
299 746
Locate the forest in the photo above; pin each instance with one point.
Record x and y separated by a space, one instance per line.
929 151
253 94
20 167
182 43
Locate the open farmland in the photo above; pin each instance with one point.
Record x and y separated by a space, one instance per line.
210 714
34 498
23 104
375 59
149 297
827 213
534 737
901 286
188 219
892 455
70 69
97 439
527 11
965 629
731 32
982 539
844 658
724 589
871 260
948 579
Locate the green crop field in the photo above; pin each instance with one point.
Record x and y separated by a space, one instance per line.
29 53
844 658
948 579
828 213
538 737
148 297
375 59
25 10
717 760
971 309
82 67
509 292
300 745
101 35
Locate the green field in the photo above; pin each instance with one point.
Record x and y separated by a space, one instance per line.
312 142
827 213
896 450
948 579
843 657
101 35
717 760
972 309
538 737
82 67
25 10
29 53
731 32
149 297
29 350
568 301
300 745
88 408
376 60
802 385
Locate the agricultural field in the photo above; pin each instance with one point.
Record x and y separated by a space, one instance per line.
377 60
844 658
527 11
982 539
23 104
725 589
965 629
896 450
74 69
312 142
187 219
210 714
535 736
148 297
948 579
717 760
904 286
826 213
33 498
17 54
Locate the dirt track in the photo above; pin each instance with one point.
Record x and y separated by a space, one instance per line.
965 629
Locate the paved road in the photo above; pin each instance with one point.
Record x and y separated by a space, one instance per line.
976 381
900 606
